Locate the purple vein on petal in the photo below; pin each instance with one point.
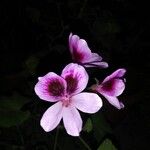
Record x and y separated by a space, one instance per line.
55 88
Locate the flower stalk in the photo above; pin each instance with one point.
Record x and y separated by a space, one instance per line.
84 143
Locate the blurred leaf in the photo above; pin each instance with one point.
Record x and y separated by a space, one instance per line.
41 147
88 126
74 6
12 118
34 14
69 143
100 126
105 29
107 145
10 110
14 102
31 64
16 147
102 28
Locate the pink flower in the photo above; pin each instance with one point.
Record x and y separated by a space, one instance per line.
65 90
81 53
111 87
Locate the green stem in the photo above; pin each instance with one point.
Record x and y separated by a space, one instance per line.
56 138
20 135
84 143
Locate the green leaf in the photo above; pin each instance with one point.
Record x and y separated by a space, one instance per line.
31 64
88 126
69 143
107 145
14 102
12 118
17 147
10 110
100 126
106 27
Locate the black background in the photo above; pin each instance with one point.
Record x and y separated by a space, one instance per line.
36 33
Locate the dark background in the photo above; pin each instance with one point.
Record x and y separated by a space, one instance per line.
34 41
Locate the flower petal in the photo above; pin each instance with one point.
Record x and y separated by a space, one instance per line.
76 78
72 120
94 57
96 64
79 48
95 61
50 87
51 118
82 54
87 102
83 49
114 101
73 39
113 87
117 74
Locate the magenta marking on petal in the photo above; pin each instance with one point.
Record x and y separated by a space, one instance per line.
71 83
108 86
66 102
77 57
55 88
113 87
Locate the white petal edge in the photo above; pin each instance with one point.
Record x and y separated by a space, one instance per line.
83 48
51 118
97 64
114 101
87 102
119 73
72 120
73 40
94 57
119 87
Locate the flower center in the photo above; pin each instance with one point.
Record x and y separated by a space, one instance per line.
66 101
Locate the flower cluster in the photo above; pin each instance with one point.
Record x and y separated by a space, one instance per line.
67 89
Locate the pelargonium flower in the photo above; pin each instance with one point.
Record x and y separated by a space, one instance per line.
111 87
81 53
66 90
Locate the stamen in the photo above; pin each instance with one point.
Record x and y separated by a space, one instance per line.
66 101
